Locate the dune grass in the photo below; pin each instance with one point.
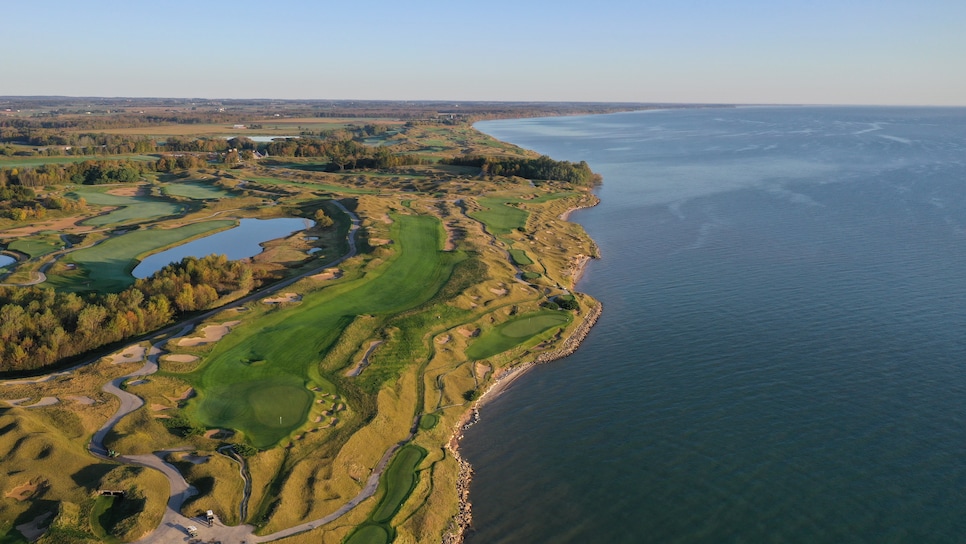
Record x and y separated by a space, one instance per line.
284 348
107 266
515 332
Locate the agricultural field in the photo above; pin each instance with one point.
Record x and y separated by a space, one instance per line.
374 335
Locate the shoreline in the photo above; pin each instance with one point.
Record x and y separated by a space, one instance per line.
464 516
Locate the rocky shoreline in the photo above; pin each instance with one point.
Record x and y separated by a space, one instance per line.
464 516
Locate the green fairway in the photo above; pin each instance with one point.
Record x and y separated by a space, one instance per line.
129 207
369 534
196 190
317 186
288 345
107 266
498 217
38 245
515 332
398 482
520 257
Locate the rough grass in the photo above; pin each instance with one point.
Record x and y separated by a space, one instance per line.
515 332
107 266
291 344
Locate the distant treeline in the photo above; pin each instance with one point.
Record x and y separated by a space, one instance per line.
39 326
541 168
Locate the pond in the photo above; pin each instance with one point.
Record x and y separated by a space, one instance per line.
6 261
237 243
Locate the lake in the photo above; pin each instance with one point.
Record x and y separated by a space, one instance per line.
237 243
781 353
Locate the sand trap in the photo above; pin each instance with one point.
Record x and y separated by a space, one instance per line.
210 334
328 274
482 370
15 402
188 393
469 333
80 399
443 339
180 358
158 407
32 529
24 491
498 292
284 297
130 354
379 242
137 190
46 401
218 434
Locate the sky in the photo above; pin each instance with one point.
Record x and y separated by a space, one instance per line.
893 52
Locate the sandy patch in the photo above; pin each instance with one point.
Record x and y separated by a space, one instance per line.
130 354
469 333
328 274
25 491
180 358
46 401
188 393
498 292
158 407
80 399
482 370
59 225
284 297
210 334
135 190
379 242
32 530
443 339
15 402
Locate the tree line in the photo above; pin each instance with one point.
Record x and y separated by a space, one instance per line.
40 326
540 168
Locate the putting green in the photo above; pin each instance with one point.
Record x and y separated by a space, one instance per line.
498 217
369 534
513 333
130 208
196 190
264 408
291 343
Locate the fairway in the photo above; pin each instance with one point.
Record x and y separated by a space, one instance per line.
290 344
514 333
398 482
107 266
196 191
129 207
498 217
520 257
38 245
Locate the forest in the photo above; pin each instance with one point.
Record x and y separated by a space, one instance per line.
39 326
541 168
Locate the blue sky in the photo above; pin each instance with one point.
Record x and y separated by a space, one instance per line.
751 51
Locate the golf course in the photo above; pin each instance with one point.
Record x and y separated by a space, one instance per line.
312 390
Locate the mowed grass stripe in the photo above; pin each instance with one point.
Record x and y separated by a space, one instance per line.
107 266
286 347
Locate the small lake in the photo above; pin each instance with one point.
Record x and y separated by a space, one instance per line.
6 261
238 243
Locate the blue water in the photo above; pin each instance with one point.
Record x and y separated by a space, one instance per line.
782 354
6 261
236 243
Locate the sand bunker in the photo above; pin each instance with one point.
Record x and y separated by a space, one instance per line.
195 459
45 401
210 334
180 358
136 190
328 274
25 491
284 297
80 399
469 333
498 292
443 339
158 407
130 354
482 370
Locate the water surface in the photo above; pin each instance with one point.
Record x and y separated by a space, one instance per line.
236 243
782 354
